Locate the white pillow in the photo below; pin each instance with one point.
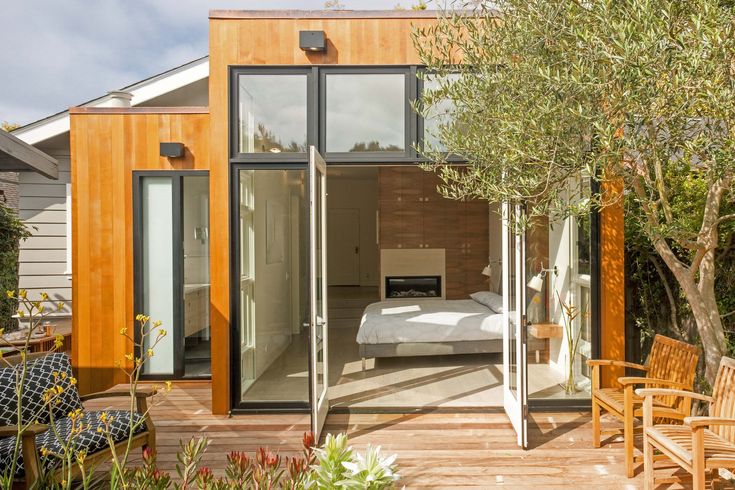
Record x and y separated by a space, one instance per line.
487 298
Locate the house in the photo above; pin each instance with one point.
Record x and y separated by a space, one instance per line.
265 203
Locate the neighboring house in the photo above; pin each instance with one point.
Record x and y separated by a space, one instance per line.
204 205
45 205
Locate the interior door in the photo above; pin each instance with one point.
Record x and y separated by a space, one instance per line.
319 382
515 380
344 246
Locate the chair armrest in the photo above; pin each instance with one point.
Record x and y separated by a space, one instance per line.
646 392
141 391
612 362
696 422
12 430
637 380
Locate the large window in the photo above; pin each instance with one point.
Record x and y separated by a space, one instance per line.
272 113
440 114
365 112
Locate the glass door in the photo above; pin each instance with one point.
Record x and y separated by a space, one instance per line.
318 291
515 380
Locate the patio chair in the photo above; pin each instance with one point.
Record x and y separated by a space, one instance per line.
701 443
671 364
39 438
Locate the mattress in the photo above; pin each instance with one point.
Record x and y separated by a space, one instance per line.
428 320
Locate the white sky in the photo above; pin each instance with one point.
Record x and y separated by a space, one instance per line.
59 53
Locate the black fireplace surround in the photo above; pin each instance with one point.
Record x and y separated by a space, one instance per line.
413 286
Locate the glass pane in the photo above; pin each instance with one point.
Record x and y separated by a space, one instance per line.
321 317
274 269
366 113
512 304
272 113
157 274
440 113
197 335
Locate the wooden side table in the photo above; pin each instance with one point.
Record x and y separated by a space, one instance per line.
545 331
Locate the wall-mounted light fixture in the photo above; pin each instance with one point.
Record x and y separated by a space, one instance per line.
171 150
312 41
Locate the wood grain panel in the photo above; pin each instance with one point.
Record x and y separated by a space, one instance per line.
414 215
106 148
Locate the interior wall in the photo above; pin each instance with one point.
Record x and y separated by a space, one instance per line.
413 215
273 329
357 189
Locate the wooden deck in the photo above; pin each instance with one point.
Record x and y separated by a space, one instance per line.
458 450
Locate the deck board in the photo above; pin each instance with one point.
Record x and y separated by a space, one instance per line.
435 450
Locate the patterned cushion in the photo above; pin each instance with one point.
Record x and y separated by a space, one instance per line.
89 439
39 379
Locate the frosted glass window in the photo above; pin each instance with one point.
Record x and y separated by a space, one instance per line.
157 276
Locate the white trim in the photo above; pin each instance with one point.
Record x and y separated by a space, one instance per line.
142 91
68 230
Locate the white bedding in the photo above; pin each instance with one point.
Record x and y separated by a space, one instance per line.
428 320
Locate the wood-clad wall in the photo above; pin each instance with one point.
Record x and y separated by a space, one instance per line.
275 41
414 215
106 147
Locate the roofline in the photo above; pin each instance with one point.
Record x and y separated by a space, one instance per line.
324 14
58 123
23 157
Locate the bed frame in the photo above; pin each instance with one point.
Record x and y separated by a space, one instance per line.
411 349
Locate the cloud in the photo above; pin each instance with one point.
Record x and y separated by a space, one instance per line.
61 53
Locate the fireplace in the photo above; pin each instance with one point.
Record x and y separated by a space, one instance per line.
413 287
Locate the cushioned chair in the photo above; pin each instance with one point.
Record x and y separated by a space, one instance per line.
671 364
701 444
43 372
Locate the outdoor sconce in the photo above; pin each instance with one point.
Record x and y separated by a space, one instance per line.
171 150
312 41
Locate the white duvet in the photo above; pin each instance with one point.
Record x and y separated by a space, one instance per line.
398 321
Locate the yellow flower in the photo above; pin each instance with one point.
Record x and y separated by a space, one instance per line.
157 323
59 341
161 333
22 293
64 375
129 356
80 456
169 385
11 294
103 416
60 305
21 313
123 331
150 352
73 381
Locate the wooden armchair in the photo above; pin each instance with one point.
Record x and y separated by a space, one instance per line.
671 364
701 443
38 436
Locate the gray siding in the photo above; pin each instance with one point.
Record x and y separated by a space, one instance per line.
43 257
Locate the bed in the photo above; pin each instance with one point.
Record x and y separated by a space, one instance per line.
428 327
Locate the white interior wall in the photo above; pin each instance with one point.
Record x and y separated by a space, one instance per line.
358 188
272 307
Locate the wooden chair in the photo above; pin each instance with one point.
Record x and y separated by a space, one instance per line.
671 364
701 443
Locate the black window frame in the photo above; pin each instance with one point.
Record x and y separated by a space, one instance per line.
177 179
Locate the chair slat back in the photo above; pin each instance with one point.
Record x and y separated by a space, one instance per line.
724 398
673 360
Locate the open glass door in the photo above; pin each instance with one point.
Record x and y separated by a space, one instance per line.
515 380
318 291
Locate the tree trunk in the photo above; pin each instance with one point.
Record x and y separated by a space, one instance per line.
700 296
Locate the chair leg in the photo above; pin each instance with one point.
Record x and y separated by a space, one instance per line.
699 480
649 480
595 423
628 432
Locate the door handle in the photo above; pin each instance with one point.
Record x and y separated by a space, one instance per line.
357 250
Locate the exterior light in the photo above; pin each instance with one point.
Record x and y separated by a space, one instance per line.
171 150
313 41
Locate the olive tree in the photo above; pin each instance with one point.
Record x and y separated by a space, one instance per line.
638 93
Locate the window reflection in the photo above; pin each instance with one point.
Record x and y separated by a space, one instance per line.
272 113
366 112
440 113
